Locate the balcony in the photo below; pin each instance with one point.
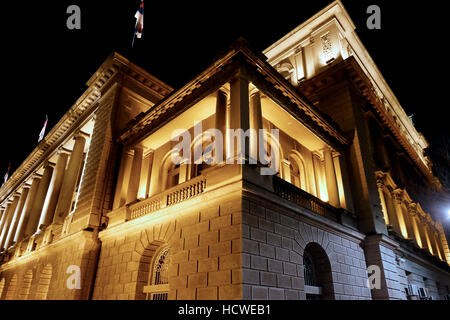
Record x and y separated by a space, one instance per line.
305 200
169 197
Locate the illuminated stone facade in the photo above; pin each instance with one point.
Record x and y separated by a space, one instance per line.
100 193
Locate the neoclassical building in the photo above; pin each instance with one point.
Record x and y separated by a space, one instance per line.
100 211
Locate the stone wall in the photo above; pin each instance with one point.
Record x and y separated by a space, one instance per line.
273 243
204 237
43 274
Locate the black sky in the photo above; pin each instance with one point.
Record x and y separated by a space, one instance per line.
45 66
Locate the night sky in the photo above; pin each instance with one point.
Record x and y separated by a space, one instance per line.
45 65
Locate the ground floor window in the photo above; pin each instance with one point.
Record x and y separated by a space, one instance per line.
159 277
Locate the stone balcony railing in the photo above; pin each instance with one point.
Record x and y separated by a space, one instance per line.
305 200
169 197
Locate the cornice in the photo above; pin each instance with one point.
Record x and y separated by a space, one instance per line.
258 61
85 106
350 70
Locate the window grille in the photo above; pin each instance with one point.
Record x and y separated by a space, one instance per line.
159 278
161 268
309 271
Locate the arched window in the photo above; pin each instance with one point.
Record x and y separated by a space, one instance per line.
169 172
309 271
11 288
173 175
297 171
2 286
44 282
158 288
26 285
197 169
312 285
317 273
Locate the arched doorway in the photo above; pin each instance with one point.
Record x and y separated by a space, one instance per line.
317 273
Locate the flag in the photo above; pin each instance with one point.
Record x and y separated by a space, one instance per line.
7 174
42 134
138 29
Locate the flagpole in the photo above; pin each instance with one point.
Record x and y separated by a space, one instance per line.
136 27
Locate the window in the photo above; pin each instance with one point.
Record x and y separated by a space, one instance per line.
309 271
313 289
317 273
297 171
173 176
159 277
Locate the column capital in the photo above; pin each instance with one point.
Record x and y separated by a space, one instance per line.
398 195
26 186
255 91
80 134
335 154
327 148
62 150
380 176
317 154
139 147
36 175
223 91
412 209
49 164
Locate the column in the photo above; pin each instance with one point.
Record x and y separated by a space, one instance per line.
412 210
286 170
345 194
221 118
330 173
54 189
427 236
423 235
122 179
397 197
4 213
27 208
440 253
255 114
135 175
408 222
381 186
184 170
70 179
443 244
15 220
433 242
239 116
4 216
38 203
8 219
318 174
146 173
